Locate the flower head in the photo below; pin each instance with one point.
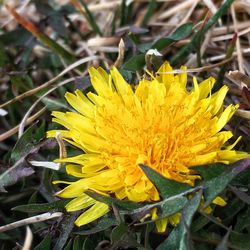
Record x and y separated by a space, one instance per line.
159 123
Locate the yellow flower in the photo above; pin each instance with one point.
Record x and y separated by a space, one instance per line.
159 123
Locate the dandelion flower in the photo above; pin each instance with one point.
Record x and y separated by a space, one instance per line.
158 123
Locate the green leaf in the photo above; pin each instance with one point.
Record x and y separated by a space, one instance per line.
206 236
178 239
229 54
56 48
57 206
78 243
23 145
199 36
90 18
242 241
243 220
103 224
243 196
180 33
138 62
242 178
54 104
211 171
45 243
118 232
166 187
199 223
135 63
126 205
166 208
224 242
172 206
15 173
216 185
125 12
68 246
150 11
232 209
4 59
65 228
17 37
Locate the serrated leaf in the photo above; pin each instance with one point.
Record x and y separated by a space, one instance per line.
215 186
172 206
178 239
165 208
166 187
211 171
57 206
103 224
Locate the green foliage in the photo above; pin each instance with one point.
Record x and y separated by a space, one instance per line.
57 206
28 60
137 62
199 36
166 187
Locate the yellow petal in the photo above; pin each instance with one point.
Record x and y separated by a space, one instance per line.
206 87
161 225
226 116
96 211
75 189
219 201
80 103
122 87
164 74
183 78
79 203
217 100
174 219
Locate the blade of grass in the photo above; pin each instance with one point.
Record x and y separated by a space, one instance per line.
44 39
84 10
199 36
150 11
229 53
